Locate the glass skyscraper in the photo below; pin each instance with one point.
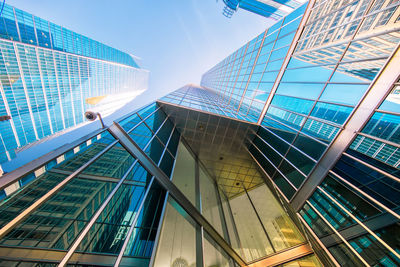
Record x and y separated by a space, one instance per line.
287 154
274 9
47 72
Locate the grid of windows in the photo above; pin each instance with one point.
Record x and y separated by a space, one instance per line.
364 183
106 192
18 25
47 72
315 98
342 48
244 80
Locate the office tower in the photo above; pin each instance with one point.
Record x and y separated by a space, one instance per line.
286 155
47 73
268 8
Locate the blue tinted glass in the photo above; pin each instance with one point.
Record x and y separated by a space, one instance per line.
310 74
331 112
385 126
348 94
304 90
294 104
392 102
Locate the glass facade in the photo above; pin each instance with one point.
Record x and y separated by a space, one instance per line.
286 155
97 193
326 141
46 74
270 9
243 81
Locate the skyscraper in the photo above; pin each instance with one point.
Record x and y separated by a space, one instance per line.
268 8
287 154
47 73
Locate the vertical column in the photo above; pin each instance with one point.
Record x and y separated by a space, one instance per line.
199 228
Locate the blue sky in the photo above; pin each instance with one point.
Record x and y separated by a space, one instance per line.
177 40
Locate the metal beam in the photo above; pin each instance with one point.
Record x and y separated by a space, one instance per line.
286 60
55 256
10 225
100 178
17 174
284 256
378 222
377 92
124 139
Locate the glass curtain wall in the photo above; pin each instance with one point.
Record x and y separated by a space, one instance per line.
48 72
363 188
243 81
95 199
327 76
252 228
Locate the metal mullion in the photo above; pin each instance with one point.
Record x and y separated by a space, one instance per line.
15 175
391 176
230 74
317 240
348 133
387 112
132 227
360 223
198 228
92 221
283 157
346 40
237 74
252 70
276 168
79 63
157 131
328 14
58 87
43 89
355 188
206 112
259 220
34 27
152 225
17 56
98 178
168 141
391 155
290 144
370 182
142 120
378 149
9 226
7 107
159 128
230 213
78 55
337 233
157 238
179 197
326 122
285 63
16 23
